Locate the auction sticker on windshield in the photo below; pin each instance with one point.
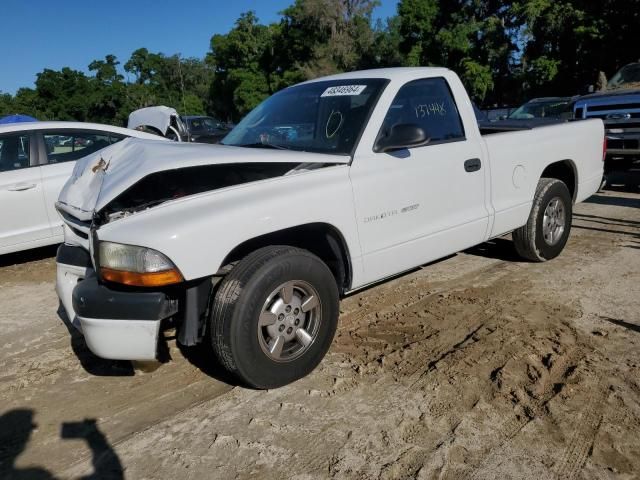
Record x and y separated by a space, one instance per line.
343 90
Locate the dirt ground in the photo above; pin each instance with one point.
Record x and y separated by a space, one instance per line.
478 366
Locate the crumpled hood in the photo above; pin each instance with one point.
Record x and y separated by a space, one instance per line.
99 178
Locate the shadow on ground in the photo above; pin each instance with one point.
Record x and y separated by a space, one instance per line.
16 427
622 323
623 181
614 201
498 248
204 359
26 256
606 220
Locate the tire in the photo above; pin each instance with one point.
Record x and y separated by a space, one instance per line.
266 329
532 241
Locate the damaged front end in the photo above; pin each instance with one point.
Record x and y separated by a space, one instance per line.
120 312
164 186
124 322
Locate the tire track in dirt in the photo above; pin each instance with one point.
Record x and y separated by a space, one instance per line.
397 335
473 331
510 420
586 428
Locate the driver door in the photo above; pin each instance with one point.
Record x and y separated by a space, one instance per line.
420 204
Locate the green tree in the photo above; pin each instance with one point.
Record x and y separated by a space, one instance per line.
385 50
108 91
242 68
6 104
64 94
417 30
567 42
473 37
26 101
328 36
106 71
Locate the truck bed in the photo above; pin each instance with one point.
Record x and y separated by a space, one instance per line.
518 160
511 125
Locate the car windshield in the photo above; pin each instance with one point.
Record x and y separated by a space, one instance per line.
203 123
548 109
210 122
629 74
325 117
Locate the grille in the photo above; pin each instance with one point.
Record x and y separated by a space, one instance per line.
617 144
613 106
77 226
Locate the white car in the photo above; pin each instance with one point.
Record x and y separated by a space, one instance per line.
324 188
36 159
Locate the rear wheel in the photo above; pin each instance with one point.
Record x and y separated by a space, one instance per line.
274 316
547 229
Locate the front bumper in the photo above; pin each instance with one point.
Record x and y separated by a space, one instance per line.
118 325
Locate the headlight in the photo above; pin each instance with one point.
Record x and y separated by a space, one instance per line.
138 266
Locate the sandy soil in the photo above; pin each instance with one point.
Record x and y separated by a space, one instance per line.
479 366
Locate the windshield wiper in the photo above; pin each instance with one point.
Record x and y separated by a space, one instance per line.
264 145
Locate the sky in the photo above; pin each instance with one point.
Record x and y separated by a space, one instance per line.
39 34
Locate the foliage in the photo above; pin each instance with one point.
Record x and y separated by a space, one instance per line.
505 51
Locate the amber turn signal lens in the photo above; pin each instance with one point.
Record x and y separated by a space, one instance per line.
151 279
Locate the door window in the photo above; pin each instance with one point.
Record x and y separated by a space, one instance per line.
429 104
69 145
14 152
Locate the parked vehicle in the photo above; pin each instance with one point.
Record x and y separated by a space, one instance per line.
17 118
560 108
162 121
619 107
36 159
324 188
205 129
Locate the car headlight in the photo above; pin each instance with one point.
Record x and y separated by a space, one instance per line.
136 266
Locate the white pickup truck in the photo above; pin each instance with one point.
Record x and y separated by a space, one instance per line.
323 189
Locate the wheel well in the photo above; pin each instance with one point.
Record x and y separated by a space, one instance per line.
321 239
564 171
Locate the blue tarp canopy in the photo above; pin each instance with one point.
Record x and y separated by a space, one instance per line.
17 119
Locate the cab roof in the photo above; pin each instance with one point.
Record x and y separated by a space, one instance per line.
395 73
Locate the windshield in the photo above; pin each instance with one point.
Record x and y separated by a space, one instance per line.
627 74
325 117
550 109
203 123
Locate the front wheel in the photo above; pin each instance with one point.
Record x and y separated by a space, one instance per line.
274 316
547 229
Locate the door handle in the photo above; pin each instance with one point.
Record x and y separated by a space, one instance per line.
20 187
472 165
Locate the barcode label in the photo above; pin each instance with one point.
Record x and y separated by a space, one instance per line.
343 90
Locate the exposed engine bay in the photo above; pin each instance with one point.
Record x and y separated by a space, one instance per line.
166 185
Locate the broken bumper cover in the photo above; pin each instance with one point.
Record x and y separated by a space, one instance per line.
118 325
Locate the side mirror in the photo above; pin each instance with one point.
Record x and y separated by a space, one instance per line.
402 136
